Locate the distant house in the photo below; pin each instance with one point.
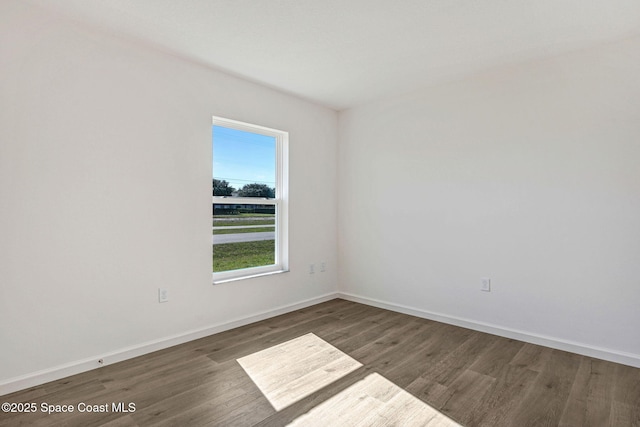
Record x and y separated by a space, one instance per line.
237 208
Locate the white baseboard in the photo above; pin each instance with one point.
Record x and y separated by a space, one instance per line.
40 377
552 342
44 376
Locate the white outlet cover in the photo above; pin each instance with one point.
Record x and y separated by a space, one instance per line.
163 295
485 284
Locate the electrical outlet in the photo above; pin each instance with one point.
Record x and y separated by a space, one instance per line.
163 295
312 268
485 284
323 267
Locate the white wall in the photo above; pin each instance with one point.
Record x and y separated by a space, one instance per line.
105 196
529 175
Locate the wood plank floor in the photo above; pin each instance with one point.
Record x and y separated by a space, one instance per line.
475 379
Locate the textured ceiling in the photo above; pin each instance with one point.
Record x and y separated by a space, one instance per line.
341 53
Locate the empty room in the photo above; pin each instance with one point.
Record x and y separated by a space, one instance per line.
320 213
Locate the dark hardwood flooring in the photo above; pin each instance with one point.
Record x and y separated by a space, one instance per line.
477 379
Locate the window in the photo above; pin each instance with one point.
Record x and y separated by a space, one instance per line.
250 185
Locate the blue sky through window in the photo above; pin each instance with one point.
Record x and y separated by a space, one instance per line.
241 157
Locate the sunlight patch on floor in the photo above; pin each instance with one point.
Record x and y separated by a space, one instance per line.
295 369
373 401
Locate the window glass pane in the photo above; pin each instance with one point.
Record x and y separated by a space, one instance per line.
244 163
250 176
243 236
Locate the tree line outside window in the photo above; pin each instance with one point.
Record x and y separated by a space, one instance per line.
222 188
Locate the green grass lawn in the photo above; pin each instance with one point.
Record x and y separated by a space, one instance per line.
243 230
234 256
245 215
266 221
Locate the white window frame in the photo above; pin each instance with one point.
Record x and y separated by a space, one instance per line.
281 203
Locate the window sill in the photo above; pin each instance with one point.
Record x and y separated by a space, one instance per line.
249 276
